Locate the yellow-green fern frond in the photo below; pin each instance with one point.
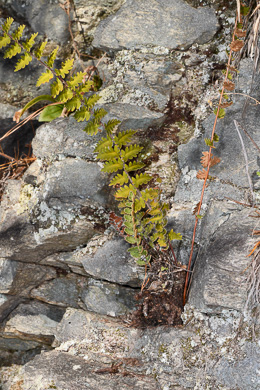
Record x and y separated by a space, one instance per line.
109 153
119 179
143 178
103 144
65 95
131 152
12 51
39 51
113 166
92 100
110 125
7 24
124 137
17 35
82 115
23 62
73 104
4 41
123 192
134 166
30 42
44 78
56 87
65 68
92 127
74 81
52 57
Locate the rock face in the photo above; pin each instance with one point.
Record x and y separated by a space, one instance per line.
156 23
67 282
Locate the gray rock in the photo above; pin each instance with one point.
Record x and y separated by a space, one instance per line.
44 17
61 291
35 321
7 273
108 299
173 24
219 279
113 263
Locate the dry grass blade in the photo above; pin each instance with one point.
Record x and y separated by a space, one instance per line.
238 10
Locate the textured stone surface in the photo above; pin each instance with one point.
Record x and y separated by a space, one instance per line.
158 23
108 299
113 263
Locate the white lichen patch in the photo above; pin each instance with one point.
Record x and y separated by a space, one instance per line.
27 200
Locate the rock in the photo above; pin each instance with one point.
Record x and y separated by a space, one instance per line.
220 275
34 321
7 272
156 23
46 18
108 299
61 291
113 263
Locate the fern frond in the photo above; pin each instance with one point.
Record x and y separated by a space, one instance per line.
132 240
143 178
124 137
134 166
156 218
84 88
92 100
30 42
12 51
65 95
44 78
4 41
73 104
109 153
99 114
150 194
110 125
123 192
74 81
92 127
65 68
119 179
82 115
56 87
113 166
139 204
23 62
7 24
174 236
17 35
39 51
52 57
131 152
103 144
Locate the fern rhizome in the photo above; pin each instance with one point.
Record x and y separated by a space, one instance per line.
143 212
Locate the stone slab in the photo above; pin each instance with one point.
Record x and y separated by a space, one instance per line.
172 24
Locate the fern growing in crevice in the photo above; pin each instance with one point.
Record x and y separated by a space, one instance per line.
143 212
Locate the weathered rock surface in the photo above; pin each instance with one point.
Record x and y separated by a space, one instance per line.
156 23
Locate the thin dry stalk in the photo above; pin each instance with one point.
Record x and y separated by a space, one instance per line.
253 281
207 172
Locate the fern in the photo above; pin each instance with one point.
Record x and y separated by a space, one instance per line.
144 215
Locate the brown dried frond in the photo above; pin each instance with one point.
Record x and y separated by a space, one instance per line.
209 159
236 45
196 209
201 174
226 104
228 85
232 69
240 33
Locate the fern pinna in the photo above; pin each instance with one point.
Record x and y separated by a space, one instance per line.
144 215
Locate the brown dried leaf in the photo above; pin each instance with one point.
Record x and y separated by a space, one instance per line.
240 33
236 45
232 69
205 160
17 116
201 174
228 85
196 208
226 104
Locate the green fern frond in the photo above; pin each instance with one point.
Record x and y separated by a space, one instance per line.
23 62
92 127
4 41
109 153
7 24
131 152
17 35
103 144
65 95
73 104
119 179
56 87
84 88
110 125
65 68
174 236
30 42
92 100
143 178
139 204
123 192
82 115
134 166
113 166
132 240
12 51
76 80
52 57
39 51
44 78
99 114
124 137
150 194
